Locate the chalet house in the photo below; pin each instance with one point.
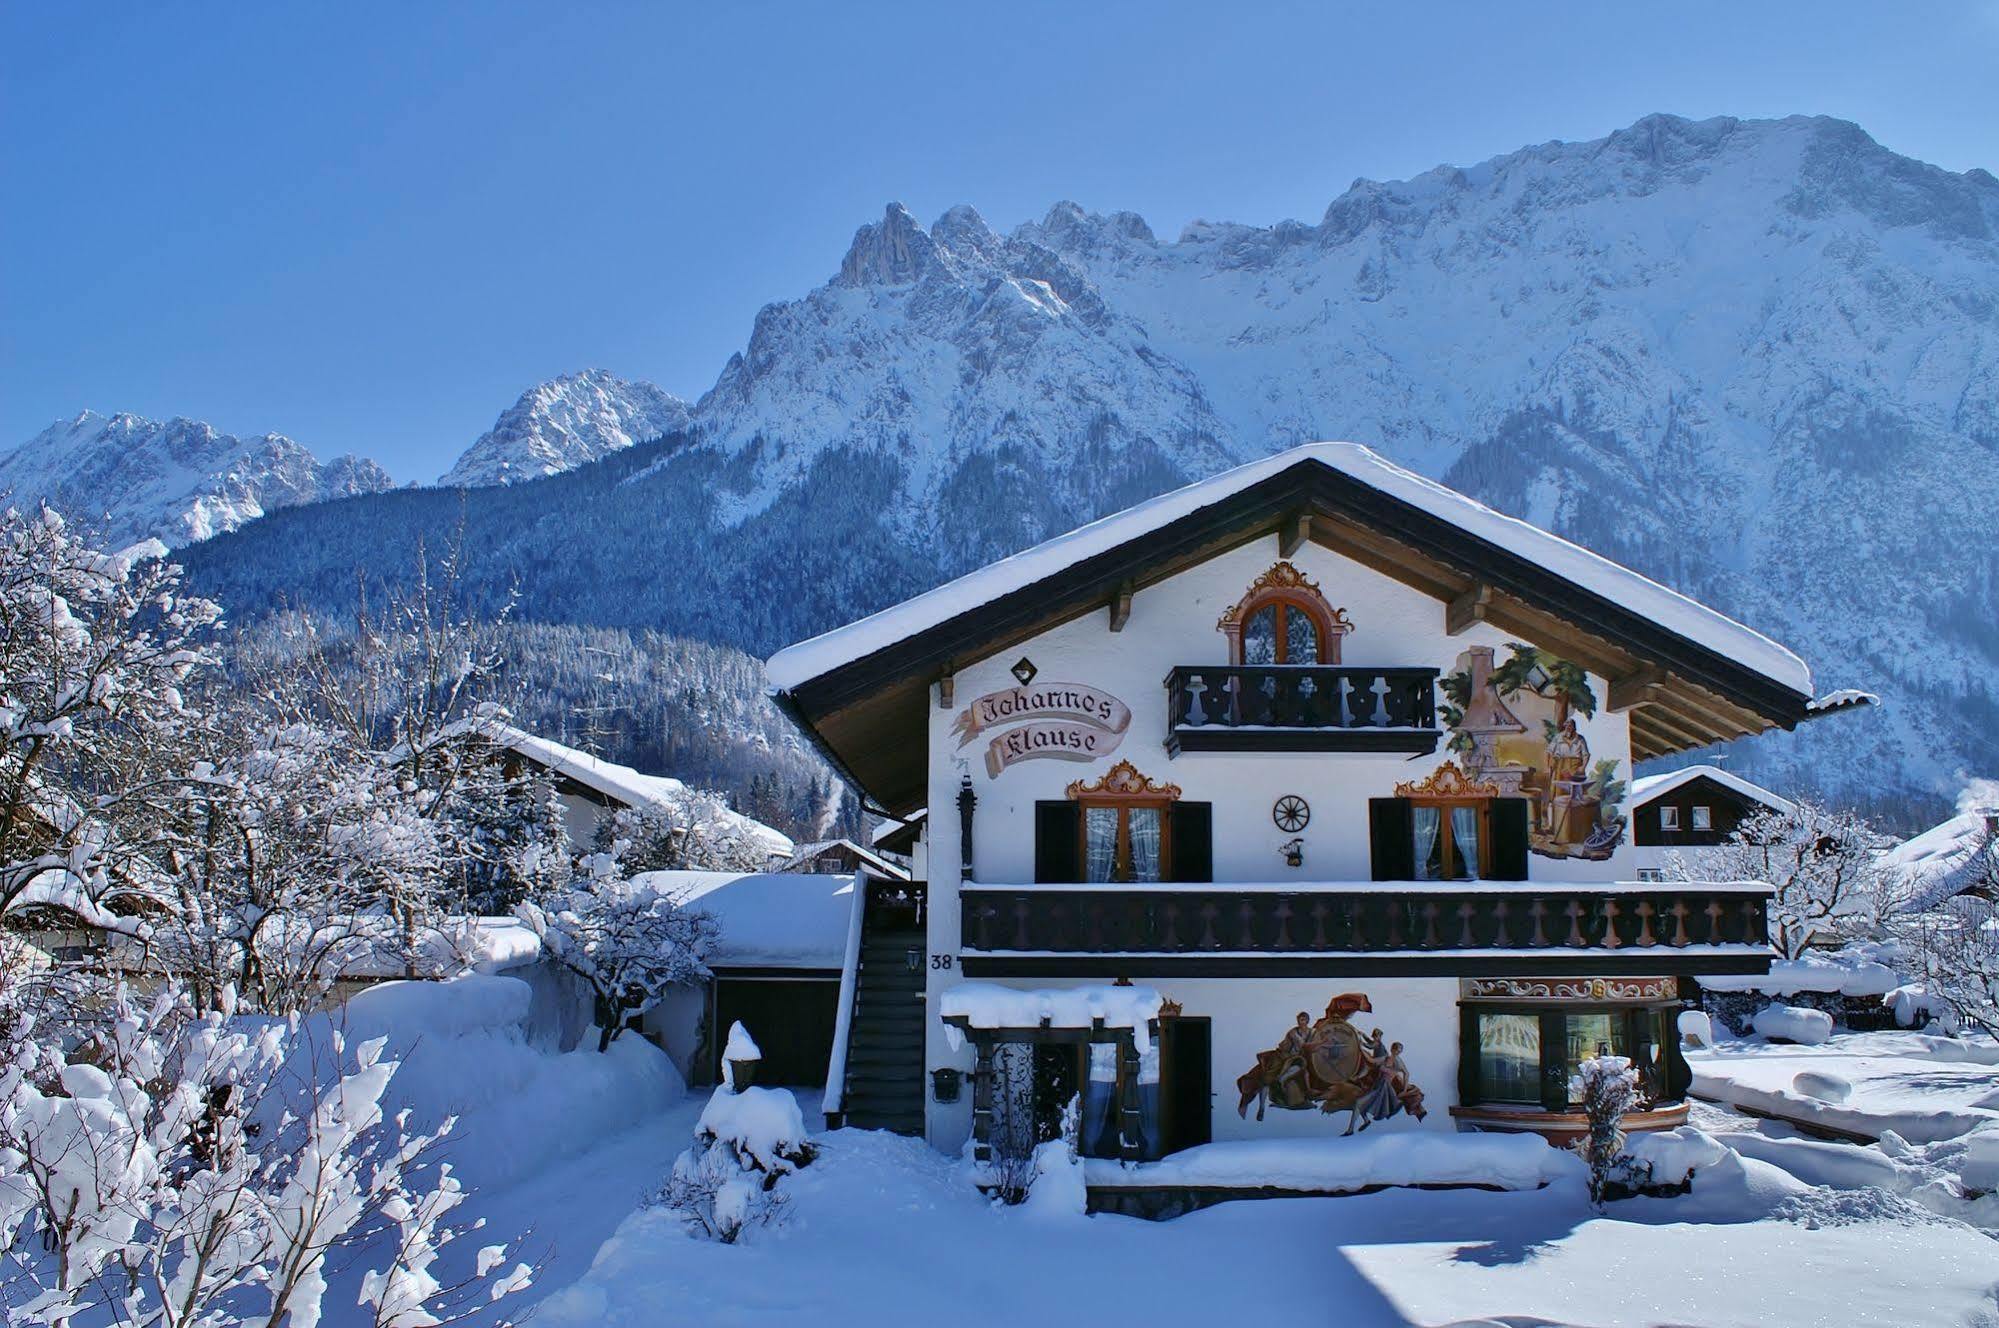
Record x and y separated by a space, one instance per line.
1291 803
592 790
1697 806
842 857
1956 857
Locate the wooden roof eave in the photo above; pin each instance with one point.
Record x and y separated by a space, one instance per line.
1706 697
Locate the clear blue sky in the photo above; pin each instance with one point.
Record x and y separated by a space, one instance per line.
371 226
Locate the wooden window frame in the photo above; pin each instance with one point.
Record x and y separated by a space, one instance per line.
1123 788
1281 587
1447 788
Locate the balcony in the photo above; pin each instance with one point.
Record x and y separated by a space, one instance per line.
1301 708
1466 929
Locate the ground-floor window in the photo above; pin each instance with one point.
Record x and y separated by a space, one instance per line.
1528 1054
1130 1101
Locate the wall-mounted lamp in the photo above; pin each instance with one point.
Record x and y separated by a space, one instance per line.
1293 850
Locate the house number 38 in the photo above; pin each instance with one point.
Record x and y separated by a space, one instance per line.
940 961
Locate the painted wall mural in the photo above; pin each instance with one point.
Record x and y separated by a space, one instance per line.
1514 725
1065 721
1329 1065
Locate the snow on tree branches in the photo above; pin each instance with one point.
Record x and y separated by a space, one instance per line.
185 1169
628 940
95 650
1820 861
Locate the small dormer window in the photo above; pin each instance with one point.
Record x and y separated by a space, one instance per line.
1284 619
1669 818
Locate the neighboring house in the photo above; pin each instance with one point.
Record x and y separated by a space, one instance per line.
593 789
1959 856
1362 859
842 857
903 839
1697 806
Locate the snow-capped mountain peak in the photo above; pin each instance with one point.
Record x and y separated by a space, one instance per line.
565 422
180 480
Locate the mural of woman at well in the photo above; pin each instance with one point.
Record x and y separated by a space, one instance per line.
1515 725
1328 1065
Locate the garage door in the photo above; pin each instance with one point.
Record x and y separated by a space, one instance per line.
791 1020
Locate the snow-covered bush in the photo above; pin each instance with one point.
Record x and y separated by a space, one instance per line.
629 941
744 1145
1608 1087
1793 1023
206 1169
1059 1188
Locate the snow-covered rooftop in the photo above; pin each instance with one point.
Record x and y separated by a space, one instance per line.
800 663
875 862
624 784
1942 860
771 920
1648 787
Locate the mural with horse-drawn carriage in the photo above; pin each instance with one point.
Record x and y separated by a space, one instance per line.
1329 1065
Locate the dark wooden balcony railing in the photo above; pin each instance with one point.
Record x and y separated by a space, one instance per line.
1301 707
1135 919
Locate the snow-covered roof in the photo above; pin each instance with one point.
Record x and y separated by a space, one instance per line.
1647 787
800 663
622 784
889 829
768 919
875 862
1941 861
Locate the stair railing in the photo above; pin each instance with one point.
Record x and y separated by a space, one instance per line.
833 1103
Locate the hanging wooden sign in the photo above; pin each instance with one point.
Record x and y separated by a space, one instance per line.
1065 701
1062 721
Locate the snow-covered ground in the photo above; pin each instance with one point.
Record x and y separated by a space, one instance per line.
1923 1087
883 1230
1783 1230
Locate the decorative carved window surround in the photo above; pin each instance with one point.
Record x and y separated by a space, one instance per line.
1123 788
1281 587
1448 787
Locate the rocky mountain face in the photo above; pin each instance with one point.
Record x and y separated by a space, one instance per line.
179 480
565 423
1758 360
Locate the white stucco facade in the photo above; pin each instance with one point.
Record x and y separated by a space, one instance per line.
1171 624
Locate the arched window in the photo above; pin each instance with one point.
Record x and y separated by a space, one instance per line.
1283 619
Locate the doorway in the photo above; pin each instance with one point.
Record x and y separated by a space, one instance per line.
1186 1091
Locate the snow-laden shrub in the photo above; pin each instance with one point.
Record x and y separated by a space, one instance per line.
1059 1188
1793 1023
745 1143
1666 1158
1608 1087
629 941
185 1169
1916 1006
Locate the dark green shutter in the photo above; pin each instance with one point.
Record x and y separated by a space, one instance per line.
1056 828
1191 826
1391 839
1507 824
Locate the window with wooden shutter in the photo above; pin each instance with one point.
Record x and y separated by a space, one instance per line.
1391 842
1191 828
1056 831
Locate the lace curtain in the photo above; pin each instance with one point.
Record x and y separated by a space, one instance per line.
1464 839
1144 822
1099 843
1428 821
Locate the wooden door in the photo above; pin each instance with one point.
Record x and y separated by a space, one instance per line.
1186 1087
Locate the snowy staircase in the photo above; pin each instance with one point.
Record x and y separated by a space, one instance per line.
884 1088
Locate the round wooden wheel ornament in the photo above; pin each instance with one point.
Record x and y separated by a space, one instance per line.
1291 814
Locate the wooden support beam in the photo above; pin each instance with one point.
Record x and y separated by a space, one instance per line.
946 689
1644 687
1466 609
1296 530
1121 607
